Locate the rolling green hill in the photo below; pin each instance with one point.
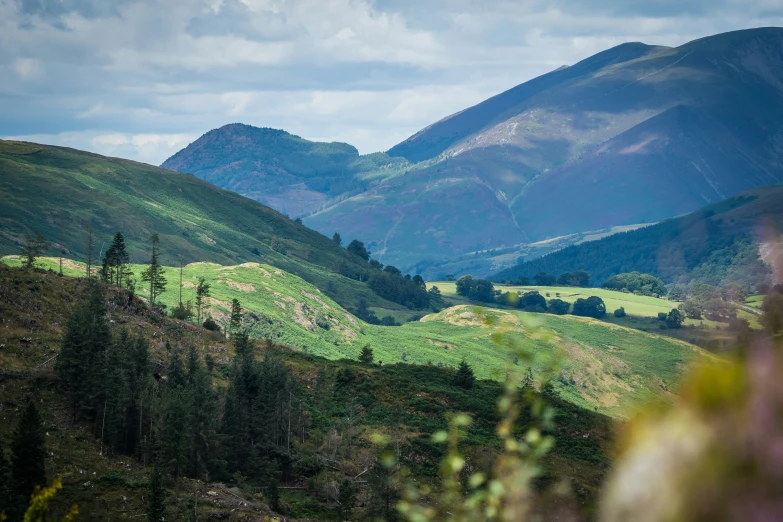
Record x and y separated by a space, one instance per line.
732 241
60 192
599 365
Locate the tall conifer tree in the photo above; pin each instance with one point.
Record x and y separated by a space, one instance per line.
154 273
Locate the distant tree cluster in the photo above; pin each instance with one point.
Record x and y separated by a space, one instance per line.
636 283
387 282
578 278
476 289
592 306
408 291
706 301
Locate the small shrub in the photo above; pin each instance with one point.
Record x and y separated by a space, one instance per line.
211 325
620 312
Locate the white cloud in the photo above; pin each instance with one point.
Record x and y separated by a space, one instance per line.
147 148
28 69
138 78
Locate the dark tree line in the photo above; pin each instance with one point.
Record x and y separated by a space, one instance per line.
387 282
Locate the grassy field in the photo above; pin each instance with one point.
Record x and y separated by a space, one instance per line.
599 365
636 306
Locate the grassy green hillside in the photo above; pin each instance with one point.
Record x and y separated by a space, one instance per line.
60 191
345 403
598 365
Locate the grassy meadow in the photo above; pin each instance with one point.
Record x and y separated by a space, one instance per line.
603 366
637 307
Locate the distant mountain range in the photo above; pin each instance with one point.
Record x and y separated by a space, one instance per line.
632 135
737 240
290 174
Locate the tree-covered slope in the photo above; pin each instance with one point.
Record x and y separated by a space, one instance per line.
727 242
63 192
283 171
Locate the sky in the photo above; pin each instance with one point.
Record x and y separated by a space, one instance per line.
141 79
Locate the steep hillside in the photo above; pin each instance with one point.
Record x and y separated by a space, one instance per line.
634 134
283 171
733 241
60 192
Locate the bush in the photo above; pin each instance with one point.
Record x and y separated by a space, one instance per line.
182 312
211 325
620 312
674 319
738 324
532 302
662 316
691 309
388 320
559 307
593 306
322 321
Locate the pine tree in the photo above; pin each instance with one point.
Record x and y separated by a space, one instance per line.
366 356
156 499
81 364
464 376
154 273
115 269
383 493
176 371
202 292
347 498
34 245
201 419
236 315
28 453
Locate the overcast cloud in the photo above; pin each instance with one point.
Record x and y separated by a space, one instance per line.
141 79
